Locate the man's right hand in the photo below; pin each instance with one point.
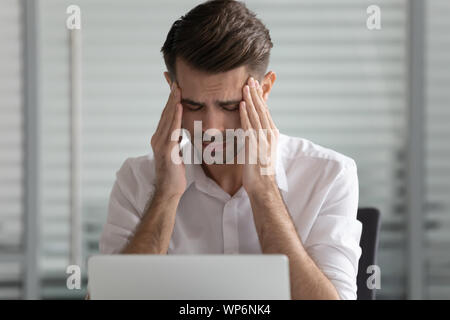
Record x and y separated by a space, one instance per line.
154 232
170 177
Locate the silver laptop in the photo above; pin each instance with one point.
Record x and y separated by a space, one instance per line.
186 277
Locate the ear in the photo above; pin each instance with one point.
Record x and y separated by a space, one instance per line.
167 76
267 83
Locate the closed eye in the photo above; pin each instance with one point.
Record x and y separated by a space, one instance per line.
191 107
231 107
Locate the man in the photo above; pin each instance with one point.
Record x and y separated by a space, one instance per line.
217 57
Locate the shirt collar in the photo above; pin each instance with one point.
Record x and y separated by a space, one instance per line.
194 172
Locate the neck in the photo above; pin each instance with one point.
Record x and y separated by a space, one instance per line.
227 176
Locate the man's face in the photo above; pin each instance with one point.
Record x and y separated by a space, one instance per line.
212 99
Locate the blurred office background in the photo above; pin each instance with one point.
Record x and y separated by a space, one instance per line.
379 96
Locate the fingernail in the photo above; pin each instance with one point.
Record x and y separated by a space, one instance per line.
257 84
252 82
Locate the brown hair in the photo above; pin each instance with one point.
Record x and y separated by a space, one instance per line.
218 36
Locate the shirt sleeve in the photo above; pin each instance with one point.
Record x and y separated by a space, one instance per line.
123 212
333 242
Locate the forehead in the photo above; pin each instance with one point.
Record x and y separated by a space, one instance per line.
203 87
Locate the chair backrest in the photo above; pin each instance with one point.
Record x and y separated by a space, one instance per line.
370 219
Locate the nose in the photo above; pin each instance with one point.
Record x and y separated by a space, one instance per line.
213 119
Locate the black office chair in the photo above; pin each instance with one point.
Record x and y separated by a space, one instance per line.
370 219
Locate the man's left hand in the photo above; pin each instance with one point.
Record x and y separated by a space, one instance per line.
260 148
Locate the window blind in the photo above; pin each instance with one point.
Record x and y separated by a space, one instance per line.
437 149
338 84
344 87
11 150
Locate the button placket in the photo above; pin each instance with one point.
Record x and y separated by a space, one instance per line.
230 235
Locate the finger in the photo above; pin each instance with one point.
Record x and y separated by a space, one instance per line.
251 111
267 111
245 122
167 130
171 102
169 110
272 124
164 112
173 143
250 144
176 121
176 98
260 106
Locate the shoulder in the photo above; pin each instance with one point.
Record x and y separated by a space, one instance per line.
136 178
138 166
311 159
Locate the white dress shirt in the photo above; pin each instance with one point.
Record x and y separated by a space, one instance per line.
318 185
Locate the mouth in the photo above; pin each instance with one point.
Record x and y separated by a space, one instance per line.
213 146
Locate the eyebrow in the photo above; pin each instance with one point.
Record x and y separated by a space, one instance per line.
219 103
